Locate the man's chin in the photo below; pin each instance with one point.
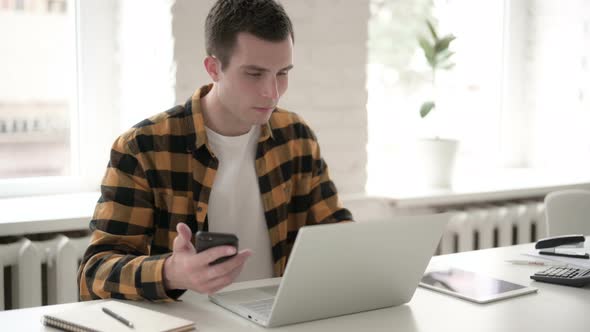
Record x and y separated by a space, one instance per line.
262 118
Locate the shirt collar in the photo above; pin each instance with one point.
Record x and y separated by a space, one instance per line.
198 122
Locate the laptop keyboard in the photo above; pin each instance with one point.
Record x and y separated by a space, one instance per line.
261 307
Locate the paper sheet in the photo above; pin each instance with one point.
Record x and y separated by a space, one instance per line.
580 262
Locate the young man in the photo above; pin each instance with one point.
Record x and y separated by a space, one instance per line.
228 160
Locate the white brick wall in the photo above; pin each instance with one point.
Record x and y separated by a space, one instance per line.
188 21
145 53
327 86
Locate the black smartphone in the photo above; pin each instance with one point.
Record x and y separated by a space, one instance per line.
206 240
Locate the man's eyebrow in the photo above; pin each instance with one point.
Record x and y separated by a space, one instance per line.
257 68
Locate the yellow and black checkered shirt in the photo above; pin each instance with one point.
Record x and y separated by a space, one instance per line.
160 174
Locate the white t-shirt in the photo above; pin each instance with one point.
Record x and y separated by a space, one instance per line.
235 205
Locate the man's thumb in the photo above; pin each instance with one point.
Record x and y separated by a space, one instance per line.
182 241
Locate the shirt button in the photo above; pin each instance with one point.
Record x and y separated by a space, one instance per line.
199 209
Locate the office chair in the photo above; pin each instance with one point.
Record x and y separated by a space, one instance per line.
568 212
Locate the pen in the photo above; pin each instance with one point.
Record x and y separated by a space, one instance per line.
538 263
117 317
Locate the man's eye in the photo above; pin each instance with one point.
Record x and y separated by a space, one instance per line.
284 73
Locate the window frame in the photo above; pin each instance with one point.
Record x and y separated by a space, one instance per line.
94 115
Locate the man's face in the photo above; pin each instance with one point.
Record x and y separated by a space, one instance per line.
251 84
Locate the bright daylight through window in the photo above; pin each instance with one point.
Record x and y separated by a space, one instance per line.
37 71
518 96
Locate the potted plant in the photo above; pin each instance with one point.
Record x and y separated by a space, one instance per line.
436 155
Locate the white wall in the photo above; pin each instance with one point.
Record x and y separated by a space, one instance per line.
145 51
327 85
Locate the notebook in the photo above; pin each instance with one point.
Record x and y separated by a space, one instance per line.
91 318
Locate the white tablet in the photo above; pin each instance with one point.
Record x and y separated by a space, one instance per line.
472 286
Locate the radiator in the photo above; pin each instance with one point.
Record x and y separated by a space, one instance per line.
35 273
493 225
472 227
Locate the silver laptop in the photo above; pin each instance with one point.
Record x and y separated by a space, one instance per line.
341 269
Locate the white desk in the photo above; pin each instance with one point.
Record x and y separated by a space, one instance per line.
554 308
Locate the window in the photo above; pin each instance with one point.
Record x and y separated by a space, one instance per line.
37 100
556 94
58 105
108 67
517 98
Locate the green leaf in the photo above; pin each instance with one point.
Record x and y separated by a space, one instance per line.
432 30
428 50
443 43
444 55
426 108
448 66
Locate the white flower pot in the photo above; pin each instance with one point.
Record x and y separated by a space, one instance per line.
436 158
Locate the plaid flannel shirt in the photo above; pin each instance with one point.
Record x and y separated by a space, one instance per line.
160 174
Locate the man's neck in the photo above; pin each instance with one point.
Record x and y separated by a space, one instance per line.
218 119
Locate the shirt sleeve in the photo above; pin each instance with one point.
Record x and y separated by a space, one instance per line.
325 205
117 263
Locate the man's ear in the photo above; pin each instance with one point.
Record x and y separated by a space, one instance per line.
213 67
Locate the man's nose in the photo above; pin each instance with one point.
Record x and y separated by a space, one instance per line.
271 89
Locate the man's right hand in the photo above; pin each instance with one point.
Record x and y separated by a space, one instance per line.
186 269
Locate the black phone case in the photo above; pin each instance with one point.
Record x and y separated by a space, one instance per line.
207 240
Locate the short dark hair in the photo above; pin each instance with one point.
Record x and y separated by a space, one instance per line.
265 19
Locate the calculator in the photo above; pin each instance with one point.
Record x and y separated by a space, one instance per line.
570 276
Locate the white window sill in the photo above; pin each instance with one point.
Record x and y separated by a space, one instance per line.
44 214
66 212
485 186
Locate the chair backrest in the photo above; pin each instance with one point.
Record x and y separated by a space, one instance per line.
568 212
